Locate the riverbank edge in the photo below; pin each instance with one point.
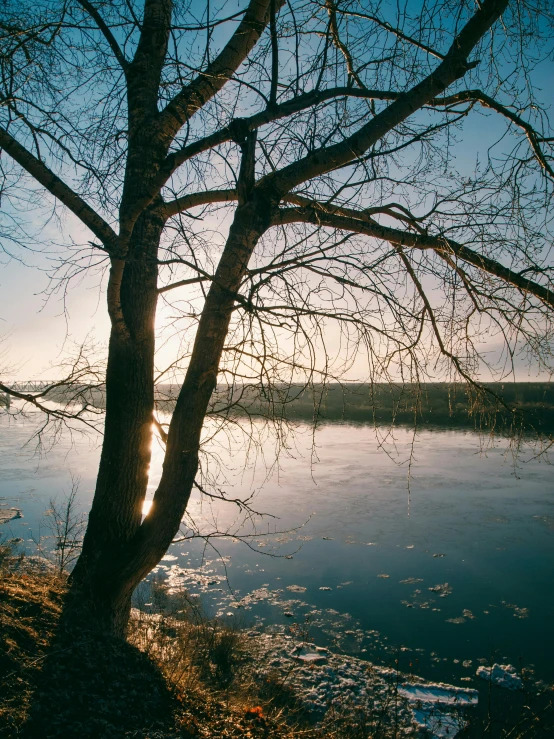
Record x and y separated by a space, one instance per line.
183 677
218 681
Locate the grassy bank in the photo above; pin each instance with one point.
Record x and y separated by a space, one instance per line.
89 685
177 675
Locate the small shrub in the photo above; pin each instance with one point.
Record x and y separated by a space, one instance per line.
67 525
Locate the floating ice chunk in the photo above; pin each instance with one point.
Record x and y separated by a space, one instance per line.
309 653
518 611
439 693
444 589
296 588
8 514
503 675
325 587
169 558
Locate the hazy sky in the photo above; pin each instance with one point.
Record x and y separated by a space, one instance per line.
34 331
38 330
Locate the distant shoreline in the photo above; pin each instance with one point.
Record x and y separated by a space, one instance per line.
521 407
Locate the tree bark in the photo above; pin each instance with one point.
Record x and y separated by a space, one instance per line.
116 511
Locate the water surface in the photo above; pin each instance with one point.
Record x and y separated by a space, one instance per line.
429 549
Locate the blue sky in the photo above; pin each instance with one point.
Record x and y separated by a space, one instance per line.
36 331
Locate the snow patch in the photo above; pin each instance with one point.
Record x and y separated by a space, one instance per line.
434 707
438 693
323 680
438 724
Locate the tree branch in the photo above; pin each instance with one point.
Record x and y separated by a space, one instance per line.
181 283
220 71
269 115
315 97
488 102
395 31
349 219
454 66
340 45
352 220
198 198
274 54
106 32
57 187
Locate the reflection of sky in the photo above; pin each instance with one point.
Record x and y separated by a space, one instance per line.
36 330
366 542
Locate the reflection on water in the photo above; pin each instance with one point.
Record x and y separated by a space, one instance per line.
442 574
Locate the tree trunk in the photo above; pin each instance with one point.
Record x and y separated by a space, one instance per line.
116 511
118 551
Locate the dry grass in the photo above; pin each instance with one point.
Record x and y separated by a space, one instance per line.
208 665
176 677
30 606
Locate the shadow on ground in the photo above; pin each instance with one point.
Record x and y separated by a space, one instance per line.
56 681
98 686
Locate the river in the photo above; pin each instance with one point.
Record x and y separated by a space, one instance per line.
435 550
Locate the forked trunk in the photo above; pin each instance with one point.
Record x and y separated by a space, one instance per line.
118 550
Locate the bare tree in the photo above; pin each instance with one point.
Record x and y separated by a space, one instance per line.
271 172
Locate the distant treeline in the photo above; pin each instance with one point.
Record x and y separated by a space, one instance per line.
524 406
506 407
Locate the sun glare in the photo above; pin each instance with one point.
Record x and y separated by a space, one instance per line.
146 506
